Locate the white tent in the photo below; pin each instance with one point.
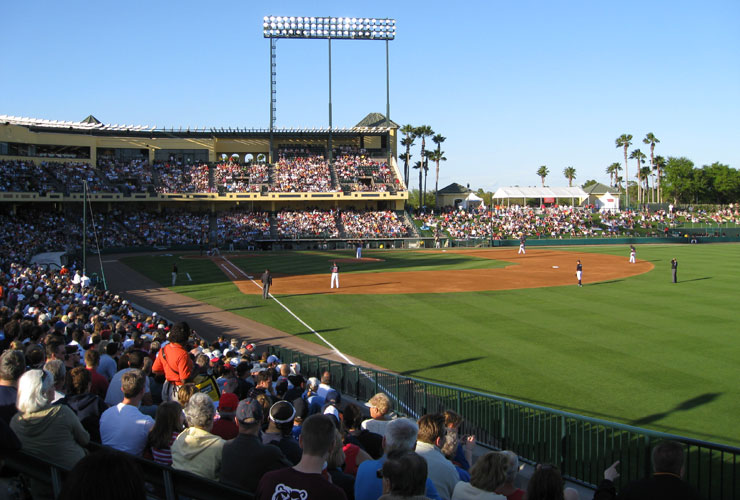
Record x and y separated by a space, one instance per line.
607 201
546 194
472 201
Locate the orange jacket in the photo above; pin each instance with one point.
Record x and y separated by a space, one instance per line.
173 360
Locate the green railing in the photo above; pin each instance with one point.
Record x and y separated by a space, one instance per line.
583 447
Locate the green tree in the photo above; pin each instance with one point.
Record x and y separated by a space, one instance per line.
679 179
645 174
418 165
659 167
570 174
436 156
589 183
486 196
652 140
423 131
639 157
625 141
407 141
542 172
725 183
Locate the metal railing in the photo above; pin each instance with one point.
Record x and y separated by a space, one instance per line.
583 447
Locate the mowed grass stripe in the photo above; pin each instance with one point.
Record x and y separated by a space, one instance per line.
639 350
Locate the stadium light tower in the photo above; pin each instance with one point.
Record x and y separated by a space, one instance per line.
329 28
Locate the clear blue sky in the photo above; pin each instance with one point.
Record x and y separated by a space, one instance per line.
512 84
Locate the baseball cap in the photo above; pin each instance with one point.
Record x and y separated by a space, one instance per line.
228 403
282 412
249 411
272 359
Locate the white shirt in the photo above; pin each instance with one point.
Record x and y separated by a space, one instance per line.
441 471
125 428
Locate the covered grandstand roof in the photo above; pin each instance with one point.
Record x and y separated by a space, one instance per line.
540 192
375 120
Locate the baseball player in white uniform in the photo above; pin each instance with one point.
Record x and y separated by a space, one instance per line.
334 275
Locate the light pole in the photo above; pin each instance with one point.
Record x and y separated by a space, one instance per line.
328 28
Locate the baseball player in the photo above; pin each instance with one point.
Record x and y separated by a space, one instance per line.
633 253
266 283
334 275
579 272
174 274
674 270
522 240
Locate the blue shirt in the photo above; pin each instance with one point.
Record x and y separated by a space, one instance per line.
368 486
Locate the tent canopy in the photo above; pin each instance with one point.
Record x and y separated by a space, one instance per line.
472 201
540 192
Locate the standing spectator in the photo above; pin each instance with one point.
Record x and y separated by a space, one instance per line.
266 284
665 483
305 480
49 432
196 450
174 362
12 365
246 459
123 426
441 471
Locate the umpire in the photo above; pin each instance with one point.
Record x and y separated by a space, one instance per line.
266 283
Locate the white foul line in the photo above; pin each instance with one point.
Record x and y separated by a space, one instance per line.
290 312
315 333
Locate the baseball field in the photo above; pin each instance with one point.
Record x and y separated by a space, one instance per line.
629 346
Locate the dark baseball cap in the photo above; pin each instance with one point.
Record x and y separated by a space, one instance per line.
249 411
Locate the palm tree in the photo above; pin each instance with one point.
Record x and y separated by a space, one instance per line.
438 139
652 140
659 166
419 165
613 171
645 173
542 172
570 174
423 131
436 156
625 141
408 141
640 157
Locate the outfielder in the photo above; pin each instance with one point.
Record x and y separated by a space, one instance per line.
334 275
579 272
633 253
522 241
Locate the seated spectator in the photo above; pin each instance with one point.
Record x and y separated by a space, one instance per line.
315 402
87 406
12 366
225 426
91 478
380 414
107 365
404 476
400 438
49 432
196 450
57 370
168 424
359 444
441 471
509 489
305 478
665 483
246 459
123 426
99 382
547 484
486 477
279 431
115 395
462 456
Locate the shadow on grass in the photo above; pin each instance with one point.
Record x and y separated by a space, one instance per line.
605 282
443 365
325 330
689 404
243 308
696 279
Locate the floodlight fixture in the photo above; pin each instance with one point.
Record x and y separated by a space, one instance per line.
338 28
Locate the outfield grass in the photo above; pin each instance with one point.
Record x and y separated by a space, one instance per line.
640 350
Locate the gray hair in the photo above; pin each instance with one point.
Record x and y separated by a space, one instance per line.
400 435
57 370
200 411
313 383
33 387
512 468
12 365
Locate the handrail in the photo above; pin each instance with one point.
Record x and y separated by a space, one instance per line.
582 446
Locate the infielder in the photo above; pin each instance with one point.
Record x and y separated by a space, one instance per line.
579 272
633 253
521 246
334 275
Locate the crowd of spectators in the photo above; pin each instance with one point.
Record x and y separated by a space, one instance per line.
373 224
133 176
73 175
166 229
175 177
25 176
237 178
306 224
243 226
302 174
